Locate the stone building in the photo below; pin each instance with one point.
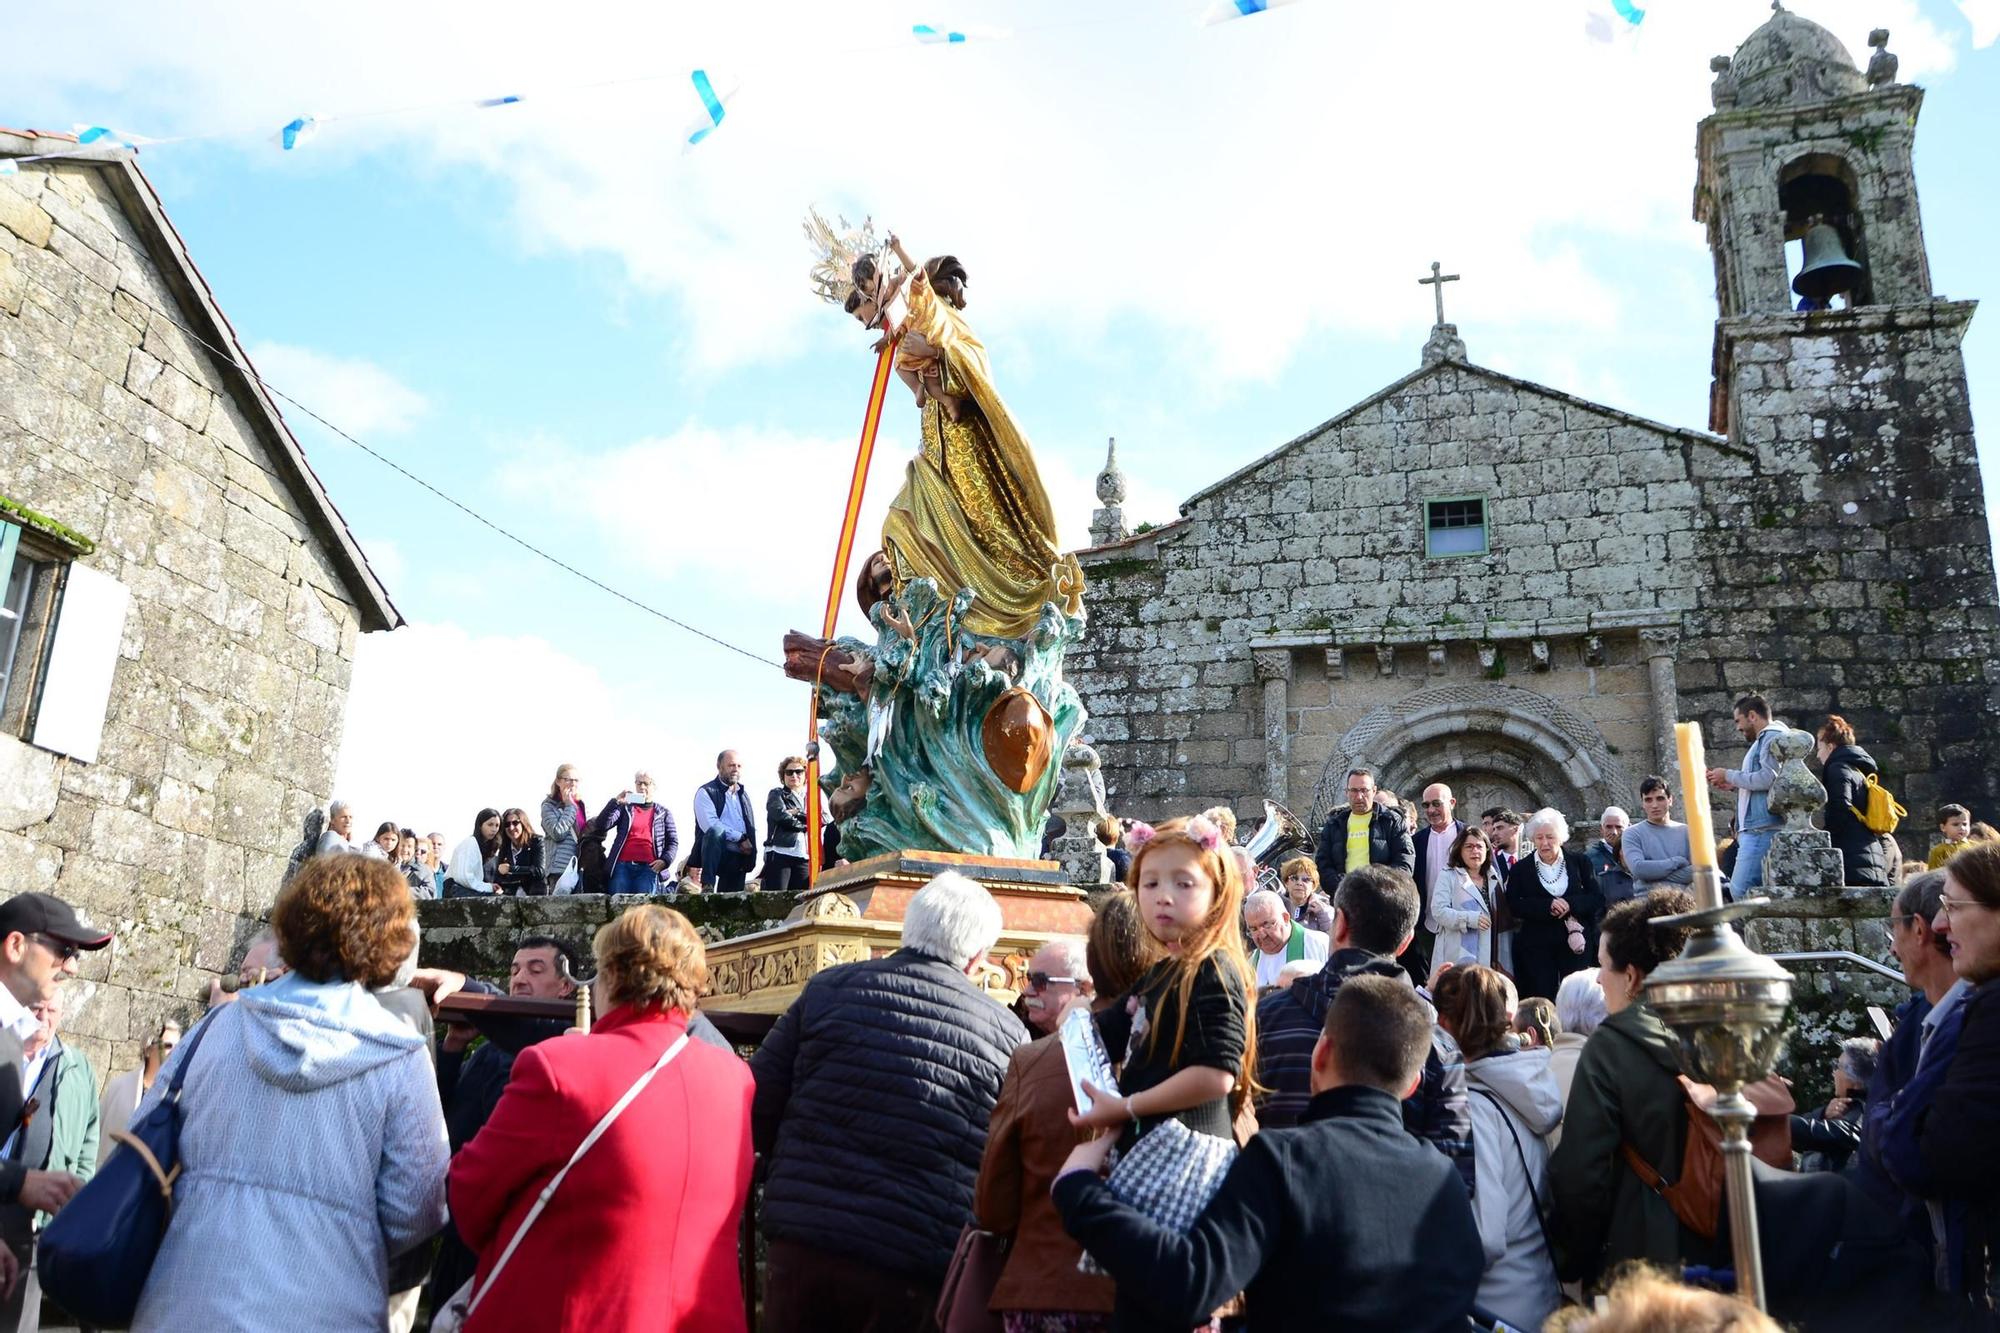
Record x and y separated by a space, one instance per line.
182 599
1471 578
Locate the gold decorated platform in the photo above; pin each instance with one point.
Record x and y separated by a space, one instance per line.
856 911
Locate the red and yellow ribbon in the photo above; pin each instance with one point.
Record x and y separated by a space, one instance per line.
857 485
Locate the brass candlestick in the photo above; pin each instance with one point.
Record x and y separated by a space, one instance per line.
1727 1005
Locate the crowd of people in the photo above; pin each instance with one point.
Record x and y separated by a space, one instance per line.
631 845
1417 1085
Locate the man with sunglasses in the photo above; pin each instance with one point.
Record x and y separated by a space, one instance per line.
1056 972
40 937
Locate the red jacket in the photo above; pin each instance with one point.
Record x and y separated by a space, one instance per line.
642 1234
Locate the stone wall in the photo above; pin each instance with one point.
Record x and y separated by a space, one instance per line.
227 701
1320 545
1847 566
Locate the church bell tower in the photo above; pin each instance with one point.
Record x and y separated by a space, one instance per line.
1850 564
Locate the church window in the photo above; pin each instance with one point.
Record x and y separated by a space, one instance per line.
1455 525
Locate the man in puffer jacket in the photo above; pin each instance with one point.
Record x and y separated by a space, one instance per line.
873 1095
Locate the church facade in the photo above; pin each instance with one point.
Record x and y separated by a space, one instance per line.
1470 578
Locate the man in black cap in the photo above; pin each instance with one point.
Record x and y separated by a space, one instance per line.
40 936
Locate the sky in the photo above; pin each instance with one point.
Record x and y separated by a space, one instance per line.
1202 240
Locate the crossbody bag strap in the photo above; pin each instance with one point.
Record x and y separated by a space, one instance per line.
589 1140
187 1060
1541 1217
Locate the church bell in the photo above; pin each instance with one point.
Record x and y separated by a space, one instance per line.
1827 271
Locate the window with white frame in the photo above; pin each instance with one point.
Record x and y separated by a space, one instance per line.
1455 525
60 628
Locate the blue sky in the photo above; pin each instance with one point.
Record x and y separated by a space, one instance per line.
1201 240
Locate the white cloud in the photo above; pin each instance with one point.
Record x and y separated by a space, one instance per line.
758 511
1984 16
353 393
1238 186
442 722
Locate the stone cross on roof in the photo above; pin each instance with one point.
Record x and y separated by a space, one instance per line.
1436 282
1444 344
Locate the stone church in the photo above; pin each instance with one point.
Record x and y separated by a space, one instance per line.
1430 585
182 598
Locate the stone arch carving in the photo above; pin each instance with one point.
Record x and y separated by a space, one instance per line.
1483 726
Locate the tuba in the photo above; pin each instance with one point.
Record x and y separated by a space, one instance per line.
1280 836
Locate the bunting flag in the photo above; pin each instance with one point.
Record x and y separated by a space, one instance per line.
1608 20
843 552
711 104
1223 11
930 36
297 131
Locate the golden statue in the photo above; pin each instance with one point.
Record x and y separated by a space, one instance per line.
972 513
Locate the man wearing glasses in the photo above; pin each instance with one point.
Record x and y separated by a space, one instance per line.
1056 972
40 936
1362 833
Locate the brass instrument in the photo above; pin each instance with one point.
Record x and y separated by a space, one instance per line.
1281 836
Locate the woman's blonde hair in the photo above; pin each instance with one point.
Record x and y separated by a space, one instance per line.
1300 865
1645 1300
651 958
1217 935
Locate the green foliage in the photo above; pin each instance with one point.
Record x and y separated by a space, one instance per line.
1498 671
1118 569
48 527
1143 529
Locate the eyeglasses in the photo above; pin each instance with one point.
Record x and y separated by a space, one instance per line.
1042 981
795 772
62 949
515 823
1946 906
1430 804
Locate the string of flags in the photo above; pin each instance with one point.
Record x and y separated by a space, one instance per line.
1604 21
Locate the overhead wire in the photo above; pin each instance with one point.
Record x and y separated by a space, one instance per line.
243 364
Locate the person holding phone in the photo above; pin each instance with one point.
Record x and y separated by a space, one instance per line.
644 840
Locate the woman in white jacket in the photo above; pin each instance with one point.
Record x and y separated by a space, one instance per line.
1461 906
1515 1104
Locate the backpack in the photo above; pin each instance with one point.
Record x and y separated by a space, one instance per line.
1882 811
1696 1197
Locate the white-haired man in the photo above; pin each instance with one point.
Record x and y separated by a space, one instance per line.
1057 971
1607 856
1278 938
339 834
873 1095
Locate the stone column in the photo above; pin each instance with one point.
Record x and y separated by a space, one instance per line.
1660 647
1274 668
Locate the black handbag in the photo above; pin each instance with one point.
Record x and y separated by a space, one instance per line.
95 1254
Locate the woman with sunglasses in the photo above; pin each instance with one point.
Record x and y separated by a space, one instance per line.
518 865
785 867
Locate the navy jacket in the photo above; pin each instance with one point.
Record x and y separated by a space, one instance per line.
1289 1023
873 1094
1342 1222
617 816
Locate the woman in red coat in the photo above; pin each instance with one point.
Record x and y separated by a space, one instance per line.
641 1235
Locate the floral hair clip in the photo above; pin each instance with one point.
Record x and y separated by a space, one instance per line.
1137 835
1204 832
